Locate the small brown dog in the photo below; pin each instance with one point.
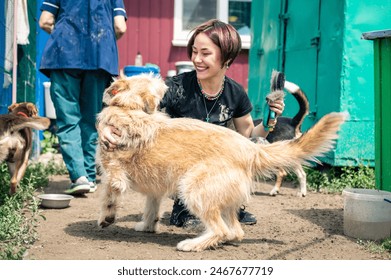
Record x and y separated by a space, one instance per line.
16 138
210 168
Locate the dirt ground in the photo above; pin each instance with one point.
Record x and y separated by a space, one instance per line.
289 227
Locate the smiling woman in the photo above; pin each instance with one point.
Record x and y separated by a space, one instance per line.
208 94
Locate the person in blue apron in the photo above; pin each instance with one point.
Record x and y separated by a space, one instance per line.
80 58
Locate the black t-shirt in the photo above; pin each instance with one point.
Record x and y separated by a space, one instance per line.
184 99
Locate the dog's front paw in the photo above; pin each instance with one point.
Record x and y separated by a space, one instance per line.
187 246
192 245
106 221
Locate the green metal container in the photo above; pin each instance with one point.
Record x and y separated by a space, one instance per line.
382 66
317 43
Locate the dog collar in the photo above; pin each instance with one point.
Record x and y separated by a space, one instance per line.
22 114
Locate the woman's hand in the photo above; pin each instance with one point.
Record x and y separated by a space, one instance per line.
47 21
119 26
108 136
277 106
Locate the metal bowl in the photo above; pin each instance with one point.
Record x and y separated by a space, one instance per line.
57 201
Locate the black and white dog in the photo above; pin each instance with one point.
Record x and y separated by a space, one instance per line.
287 128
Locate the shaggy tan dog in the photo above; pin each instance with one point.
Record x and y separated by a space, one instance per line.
16 138
211 168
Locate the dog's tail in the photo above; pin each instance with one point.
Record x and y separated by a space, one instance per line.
277 84
32 122
304 106
277 81
289 153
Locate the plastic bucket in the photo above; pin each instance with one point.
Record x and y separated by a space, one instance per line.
367 214
136 70
50 112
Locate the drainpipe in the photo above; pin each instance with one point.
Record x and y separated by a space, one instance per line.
15 51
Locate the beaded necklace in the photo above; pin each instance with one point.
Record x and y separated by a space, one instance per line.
207 96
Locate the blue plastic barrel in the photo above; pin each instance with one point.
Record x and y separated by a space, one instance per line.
132 70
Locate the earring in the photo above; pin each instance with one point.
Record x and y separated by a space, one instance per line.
227 66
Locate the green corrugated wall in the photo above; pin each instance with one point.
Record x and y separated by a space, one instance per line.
382 68
318 44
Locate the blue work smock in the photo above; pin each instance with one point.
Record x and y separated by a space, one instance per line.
83 36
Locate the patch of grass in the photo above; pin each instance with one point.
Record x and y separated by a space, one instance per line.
49 143
377 247
336 179
51 168
19 213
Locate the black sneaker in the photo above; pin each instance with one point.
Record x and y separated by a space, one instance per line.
245 217
180 215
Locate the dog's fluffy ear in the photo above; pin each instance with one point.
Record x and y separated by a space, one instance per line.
12 107
33 112
112 90
155 91
122 74
150 102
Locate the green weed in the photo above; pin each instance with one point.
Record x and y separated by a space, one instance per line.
49 143
19 213
377 247
336 179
